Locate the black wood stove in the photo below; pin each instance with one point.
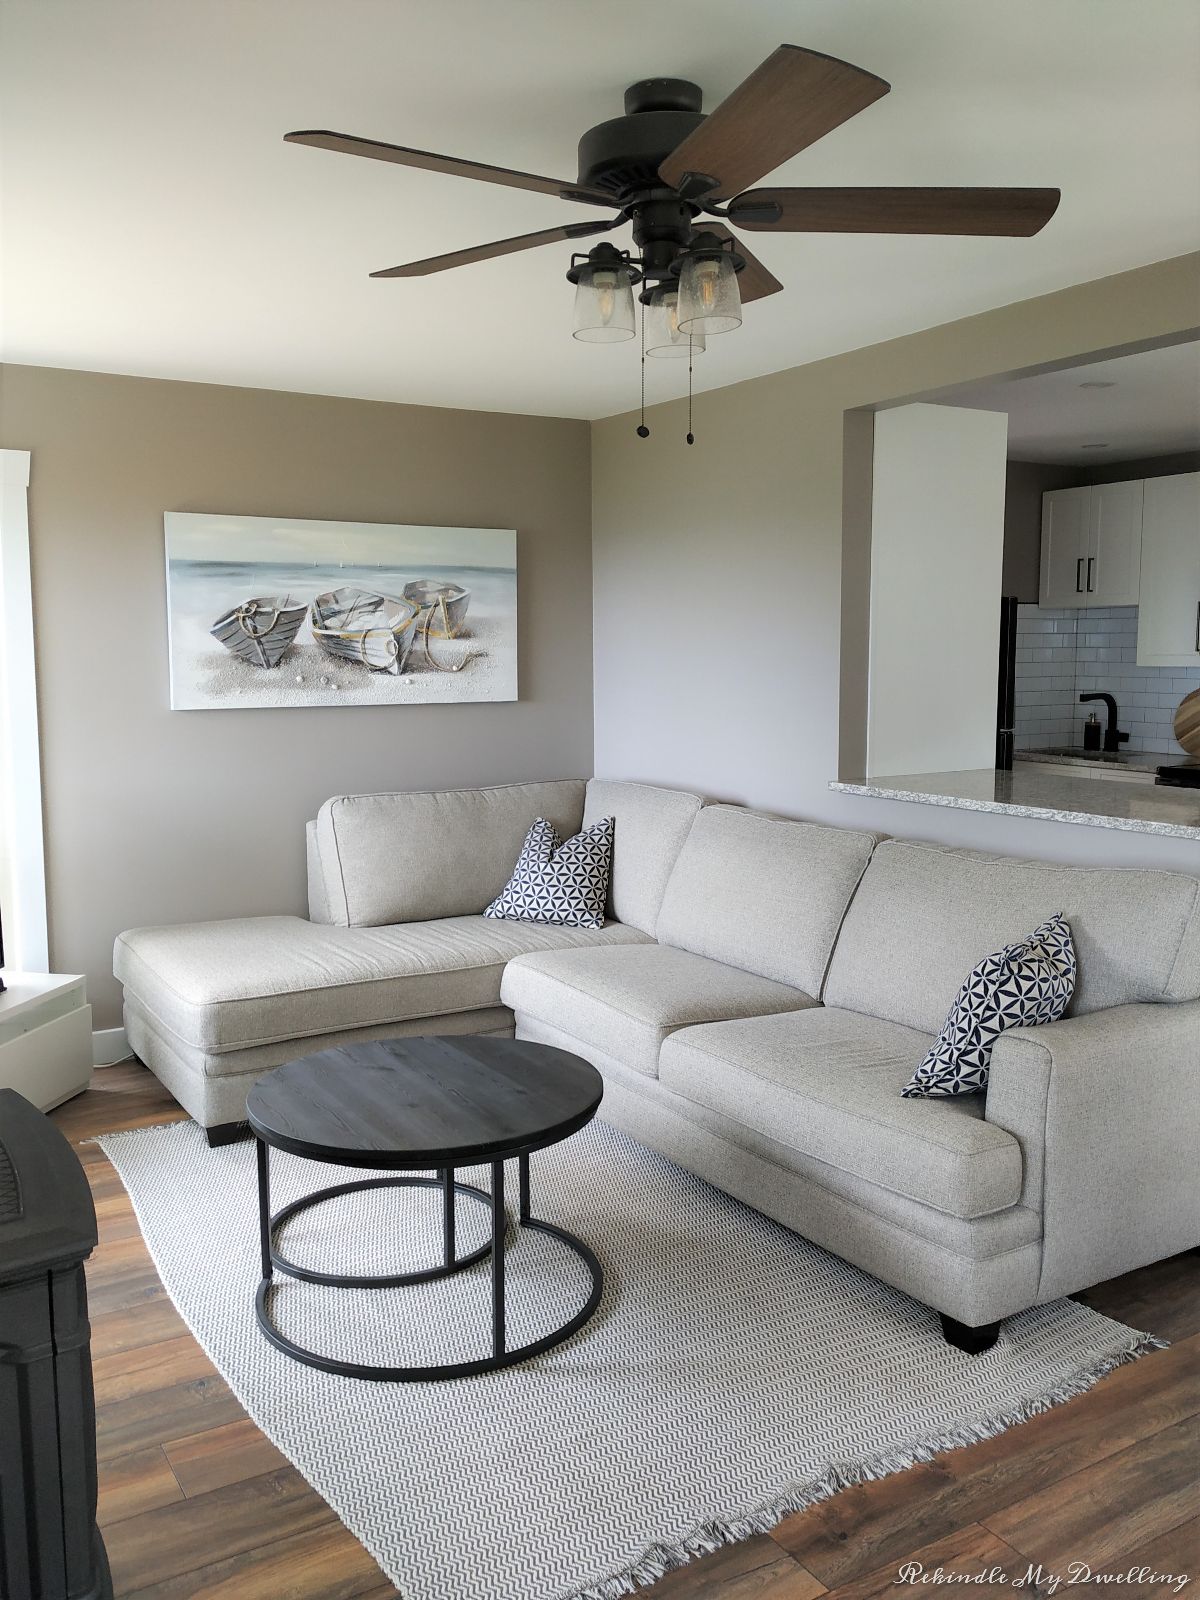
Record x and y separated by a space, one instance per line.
50 1548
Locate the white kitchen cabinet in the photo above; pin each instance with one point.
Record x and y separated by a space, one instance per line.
1064 546
1091 545
1169 608
1112 570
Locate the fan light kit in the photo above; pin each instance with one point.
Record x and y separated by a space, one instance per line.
678 177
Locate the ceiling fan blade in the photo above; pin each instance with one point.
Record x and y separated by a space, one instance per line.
1014 213
754 281
500 247
428 161
793 99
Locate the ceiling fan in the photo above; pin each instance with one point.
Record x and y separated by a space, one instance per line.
668 169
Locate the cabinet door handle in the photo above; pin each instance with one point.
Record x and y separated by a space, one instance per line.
1198 627
1091 587
1079 576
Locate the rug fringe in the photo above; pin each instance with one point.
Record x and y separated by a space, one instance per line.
660 1559
121 1134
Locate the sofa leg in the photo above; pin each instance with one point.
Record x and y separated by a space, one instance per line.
226 1133
973 1340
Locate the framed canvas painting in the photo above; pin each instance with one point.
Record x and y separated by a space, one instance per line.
279 612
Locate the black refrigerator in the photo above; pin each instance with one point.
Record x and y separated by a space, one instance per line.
1006 689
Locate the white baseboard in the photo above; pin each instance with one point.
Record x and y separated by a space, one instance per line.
110 1046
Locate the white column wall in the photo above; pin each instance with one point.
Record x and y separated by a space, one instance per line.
22 852
937 550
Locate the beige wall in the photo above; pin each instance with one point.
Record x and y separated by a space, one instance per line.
718 569
157 816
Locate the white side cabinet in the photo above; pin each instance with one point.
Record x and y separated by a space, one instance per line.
1169 610
1091 545
45 1037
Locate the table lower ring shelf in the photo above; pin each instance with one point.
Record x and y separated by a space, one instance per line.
501 1356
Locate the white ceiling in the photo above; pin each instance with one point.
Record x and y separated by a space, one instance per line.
1149 405
156 223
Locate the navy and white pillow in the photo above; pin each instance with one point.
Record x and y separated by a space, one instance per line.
1024 984
566 884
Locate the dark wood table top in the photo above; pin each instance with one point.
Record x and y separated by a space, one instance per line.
424 1102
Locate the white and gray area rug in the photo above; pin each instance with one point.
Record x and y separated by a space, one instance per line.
733 1372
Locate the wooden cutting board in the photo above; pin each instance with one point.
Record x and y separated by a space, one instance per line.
1187 723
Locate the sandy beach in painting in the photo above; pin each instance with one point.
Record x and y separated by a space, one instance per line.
205 675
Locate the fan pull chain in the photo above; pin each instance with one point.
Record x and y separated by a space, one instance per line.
691 437
643 430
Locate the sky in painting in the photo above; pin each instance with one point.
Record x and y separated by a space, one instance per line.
193 536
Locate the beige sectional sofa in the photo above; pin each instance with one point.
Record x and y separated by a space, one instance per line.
761 993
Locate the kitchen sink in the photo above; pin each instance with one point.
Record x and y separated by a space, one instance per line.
1075 762
1116 758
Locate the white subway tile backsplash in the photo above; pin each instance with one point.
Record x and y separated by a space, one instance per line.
1062 654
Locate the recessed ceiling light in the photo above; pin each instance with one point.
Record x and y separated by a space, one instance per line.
1098 383
1093 447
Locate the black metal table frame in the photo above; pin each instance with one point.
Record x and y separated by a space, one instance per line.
445 1180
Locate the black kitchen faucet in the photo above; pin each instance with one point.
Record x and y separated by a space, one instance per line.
1113 736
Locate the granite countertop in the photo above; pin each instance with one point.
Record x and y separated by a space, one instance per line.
1031 791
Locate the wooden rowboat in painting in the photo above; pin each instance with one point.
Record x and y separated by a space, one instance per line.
446 604
373 629
259 631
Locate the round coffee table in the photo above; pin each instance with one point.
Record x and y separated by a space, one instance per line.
415 1106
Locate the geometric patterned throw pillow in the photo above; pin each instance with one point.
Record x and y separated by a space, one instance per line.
1020 986
566 884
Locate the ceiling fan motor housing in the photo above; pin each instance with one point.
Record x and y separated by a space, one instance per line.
622 156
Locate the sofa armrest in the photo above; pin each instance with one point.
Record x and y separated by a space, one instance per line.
1106 1109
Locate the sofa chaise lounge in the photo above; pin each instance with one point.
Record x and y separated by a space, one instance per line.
757 999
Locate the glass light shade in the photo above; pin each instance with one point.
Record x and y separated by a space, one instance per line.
664 336
709 301
604 305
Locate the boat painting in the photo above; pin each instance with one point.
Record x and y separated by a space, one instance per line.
259 631
342 613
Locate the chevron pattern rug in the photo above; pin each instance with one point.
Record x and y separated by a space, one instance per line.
733 1373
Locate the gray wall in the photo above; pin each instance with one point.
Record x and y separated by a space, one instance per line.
1141 467
718 570
1026 483
160 816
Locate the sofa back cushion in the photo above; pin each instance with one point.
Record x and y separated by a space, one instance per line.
650 826
763 894
318 897
413 857
924 915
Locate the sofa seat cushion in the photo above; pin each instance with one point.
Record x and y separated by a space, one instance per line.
625 1001
826 1084
254 980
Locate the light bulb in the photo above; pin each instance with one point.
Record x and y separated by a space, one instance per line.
605 285
664 336
604 305
709 301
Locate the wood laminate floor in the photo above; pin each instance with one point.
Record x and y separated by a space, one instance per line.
194 1501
